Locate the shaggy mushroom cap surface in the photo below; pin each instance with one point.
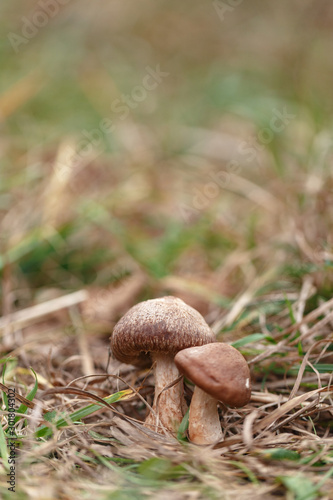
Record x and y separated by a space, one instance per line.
219 370
165 326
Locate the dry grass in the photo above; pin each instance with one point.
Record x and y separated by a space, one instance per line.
284 328
170 204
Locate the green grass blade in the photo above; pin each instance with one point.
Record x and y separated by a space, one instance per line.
254 337
76 416
282 454
246 470
23 408
4 395
181 435
3 449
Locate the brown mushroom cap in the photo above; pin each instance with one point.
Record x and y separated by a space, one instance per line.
219 370
166 325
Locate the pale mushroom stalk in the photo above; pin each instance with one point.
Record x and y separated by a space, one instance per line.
204 420
168 408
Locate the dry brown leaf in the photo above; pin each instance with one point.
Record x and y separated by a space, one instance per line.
106 304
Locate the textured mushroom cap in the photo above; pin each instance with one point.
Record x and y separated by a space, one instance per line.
218 369
166 325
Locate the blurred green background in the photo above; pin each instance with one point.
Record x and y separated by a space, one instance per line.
104 172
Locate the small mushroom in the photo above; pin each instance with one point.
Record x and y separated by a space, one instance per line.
155 330
220 373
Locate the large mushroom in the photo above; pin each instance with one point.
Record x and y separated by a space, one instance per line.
220 373
155 330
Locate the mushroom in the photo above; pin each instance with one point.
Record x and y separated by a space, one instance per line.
155 330
220 373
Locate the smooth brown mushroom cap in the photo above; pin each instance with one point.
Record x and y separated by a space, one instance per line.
219 370
166 325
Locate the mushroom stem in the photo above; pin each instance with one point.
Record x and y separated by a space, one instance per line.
170 405
204 420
